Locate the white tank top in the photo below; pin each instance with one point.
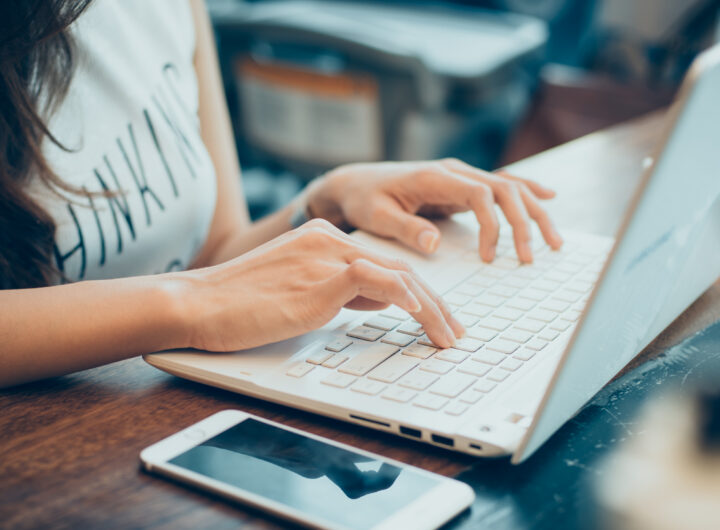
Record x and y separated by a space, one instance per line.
130 119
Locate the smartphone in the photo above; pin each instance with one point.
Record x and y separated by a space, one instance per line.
305 478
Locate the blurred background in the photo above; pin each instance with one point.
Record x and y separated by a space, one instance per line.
315 84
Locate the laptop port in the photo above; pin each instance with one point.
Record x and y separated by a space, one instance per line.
409 431
376 422
442 440
476 446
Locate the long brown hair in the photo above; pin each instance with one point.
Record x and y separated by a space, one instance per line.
36 66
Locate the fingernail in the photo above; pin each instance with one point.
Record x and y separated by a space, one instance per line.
526 252
428 240
461 331
413 305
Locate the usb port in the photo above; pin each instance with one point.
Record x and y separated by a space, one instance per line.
417 433
442 440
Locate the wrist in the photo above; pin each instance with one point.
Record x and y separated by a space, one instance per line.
172 295
322 198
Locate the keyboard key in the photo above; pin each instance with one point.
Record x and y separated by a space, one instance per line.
548 335
511 365
370 388
419 350
339 380
556 306
517 335
435 366
457 299
401 395
557 276
466 319
490 300
488 357
491 272
481 333
536 344
498 375
418 380
428 401
365 333
546 285
569 267
319 357
543 315
498 324
531 325
515 281
452 385
338 345
368 359
560 324
467 344
484 386
470 289
393 369
480 281
411 328
472 367
398 339
503 290
524 354
503 346
385 324
533 294
456 409
299 369
478 310
506 263
425 341
335 361
508 313
572 315
567 296
579 286
453 356
523 304
471 396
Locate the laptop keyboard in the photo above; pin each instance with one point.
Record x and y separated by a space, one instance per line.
512 313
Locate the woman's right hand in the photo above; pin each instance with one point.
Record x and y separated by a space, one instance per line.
298 282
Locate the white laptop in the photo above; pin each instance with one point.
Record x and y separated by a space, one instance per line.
542 338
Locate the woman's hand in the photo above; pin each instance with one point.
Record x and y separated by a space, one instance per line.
391 198
299 282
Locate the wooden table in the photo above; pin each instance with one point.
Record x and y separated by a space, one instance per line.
69 446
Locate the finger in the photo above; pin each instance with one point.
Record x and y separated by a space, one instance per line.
391 220
457 328
540 191
509 199
473 194
430 315
362 278
361 303
540 216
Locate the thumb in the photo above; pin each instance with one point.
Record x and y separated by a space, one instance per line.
412 230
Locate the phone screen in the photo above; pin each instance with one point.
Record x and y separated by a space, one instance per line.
341 487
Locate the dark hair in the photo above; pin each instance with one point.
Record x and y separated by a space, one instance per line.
36 66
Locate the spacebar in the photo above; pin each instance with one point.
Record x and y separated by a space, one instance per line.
368 359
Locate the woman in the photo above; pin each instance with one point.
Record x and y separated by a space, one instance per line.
123 225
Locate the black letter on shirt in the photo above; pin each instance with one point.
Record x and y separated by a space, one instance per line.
142 185
151 127
114 202
60 259
183 144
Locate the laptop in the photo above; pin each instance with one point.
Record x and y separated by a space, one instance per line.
542 339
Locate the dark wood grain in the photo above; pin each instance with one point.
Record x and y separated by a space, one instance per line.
69 446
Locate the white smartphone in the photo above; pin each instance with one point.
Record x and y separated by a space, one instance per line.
305 478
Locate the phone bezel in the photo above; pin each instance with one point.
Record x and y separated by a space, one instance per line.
430 510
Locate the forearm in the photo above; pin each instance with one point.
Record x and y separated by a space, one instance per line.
51 331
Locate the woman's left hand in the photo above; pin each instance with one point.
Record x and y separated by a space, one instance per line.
391 199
